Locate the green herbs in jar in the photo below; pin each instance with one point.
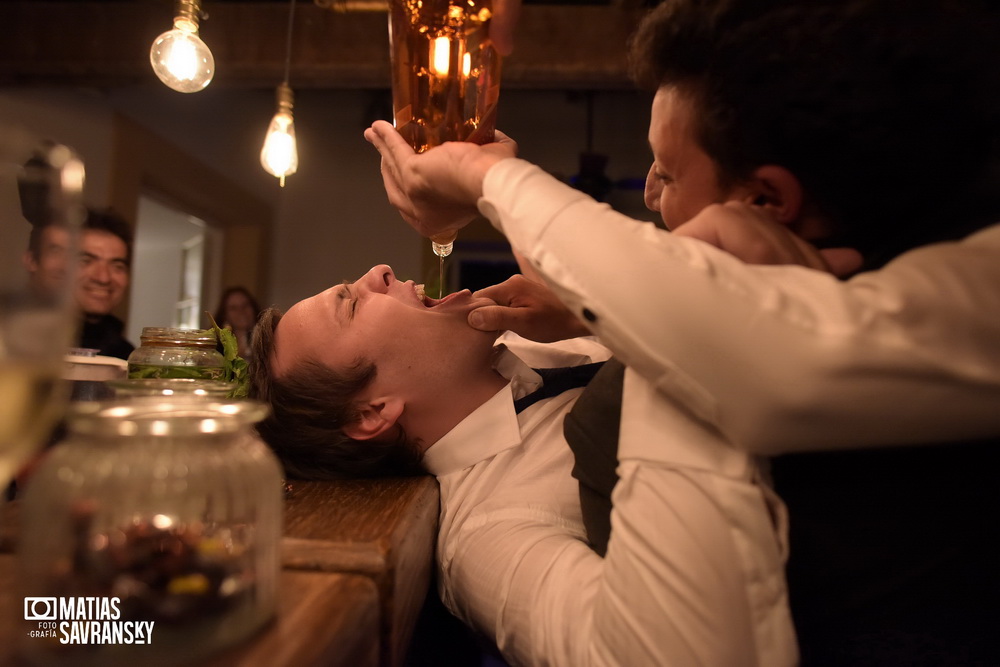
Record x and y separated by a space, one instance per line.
141 371
177 353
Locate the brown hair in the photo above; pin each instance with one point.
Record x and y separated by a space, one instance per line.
102 220
220 310
310 405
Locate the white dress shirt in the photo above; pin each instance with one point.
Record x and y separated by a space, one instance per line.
777 358
694 570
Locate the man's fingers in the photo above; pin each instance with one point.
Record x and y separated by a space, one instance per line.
376 140
491 318
501 138
388 141
801 252
392 190
496 293
505 293
390 168
842 262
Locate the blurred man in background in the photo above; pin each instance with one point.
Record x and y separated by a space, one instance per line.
103 275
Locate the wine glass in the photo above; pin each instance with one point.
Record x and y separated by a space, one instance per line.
41 184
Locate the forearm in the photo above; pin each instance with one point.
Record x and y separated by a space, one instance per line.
780 357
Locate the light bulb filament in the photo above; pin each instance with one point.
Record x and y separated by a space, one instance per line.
182 60
279 155
279 147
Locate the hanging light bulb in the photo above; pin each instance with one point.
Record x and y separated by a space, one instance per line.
180 59
279 156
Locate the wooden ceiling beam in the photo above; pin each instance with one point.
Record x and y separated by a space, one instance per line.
103 44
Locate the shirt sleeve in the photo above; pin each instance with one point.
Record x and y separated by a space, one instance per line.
671 590
780 358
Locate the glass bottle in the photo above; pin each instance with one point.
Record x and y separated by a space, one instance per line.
176 353
445 76
168 509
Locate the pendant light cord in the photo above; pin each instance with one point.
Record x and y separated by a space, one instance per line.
288 41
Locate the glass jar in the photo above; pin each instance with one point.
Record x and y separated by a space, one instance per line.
176 353
166 387
167 513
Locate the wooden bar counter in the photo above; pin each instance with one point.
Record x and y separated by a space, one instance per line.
384 529
356 565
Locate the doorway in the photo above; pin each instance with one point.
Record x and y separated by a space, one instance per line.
176 268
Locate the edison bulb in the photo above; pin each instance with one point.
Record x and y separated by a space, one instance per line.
181 60
279 156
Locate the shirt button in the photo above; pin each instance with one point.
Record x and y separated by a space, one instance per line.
588 315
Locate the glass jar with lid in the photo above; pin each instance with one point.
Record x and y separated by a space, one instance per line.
167 512
176 353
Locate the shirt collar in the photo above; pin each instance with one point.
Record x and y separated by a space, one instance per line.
492 428
523 379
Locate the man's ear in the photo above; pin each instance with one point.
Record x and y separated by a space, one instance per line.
30 264
778 191
378 416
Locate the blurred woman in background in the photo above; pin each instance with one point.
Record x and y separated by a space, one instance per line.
238 309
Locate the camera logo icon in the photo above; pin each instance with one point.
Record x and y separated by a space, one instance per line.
40 609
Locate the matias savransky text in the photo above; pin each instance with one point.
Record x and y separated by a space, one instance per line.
85 620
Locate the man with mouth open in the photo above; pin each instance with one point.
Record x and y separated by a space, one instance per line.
372 377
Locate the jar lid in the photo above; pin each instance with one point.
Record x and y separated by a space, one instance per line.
170 336
164 416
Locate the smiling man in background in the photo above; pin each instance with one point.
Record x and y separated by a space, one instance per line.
105 255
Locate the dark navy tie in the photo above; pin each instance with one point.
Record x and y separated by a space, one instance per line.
557 380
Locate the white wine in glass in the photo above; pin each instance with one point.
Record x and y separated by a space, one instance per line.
41 183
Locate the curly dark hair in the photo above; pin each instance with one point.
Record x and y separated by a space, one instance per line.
310 405
885 110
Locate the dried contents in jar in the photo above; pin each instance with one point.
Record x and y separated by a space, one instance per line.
160 570
167 508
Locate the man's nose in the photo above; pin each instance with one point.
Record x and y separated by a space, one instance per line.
379 278
99 272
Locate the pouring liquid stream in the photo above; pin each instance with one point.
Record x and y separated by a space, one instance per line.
442 246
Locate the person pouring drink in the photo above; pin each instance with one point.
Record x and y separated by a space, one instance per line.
778 134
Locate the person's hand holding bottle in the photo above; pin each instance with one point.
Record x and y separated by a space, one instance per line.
435 191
